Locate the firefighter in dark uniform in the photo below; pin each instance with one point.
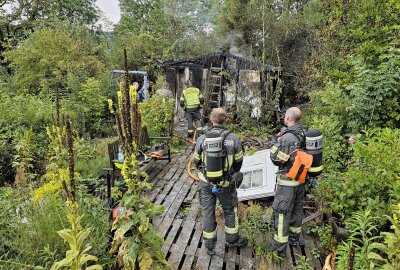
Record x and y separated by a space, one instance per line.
289 198
219 157
191 101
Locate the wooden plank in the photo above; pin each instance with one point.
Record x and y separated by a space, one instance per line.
167 203
179 198
158 189
174 200
191 250
195 210
192 193
246 261
147 166
173 210
179 248
311 217
166 168
173 203
163 228
217 260
171 235
158 167
309 246
174 189
231 259
204 259
170 184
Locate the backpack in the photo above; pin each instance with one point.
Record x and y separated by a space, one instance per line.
308 157
215 155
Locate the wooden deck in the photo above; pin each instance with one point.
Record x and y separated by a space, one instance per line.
181 227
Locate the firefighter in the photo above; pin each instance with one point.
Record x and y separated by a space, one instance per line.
191 101
165 91
219 157
289 198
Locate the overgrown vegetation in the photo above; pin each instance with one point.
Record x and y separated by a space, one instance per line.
358 67
157 114
256 226
135 238
341 58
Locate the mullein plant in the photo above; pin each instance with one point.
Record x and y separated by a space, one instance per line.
77 256
135 239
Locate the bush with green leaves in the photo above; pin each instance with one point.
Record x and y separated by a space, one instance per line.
256 226
29 231
23 143
387 254
157 115
326 237
88 109
372 176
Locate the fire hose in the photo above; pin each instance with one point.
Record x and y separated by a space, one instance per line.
194 177
189 164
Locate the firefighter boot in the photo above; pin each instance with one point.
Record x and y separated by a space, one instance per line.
282 253
241 241
210 246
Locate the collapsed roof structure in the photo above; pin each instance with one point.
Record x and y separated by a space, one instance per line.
224 77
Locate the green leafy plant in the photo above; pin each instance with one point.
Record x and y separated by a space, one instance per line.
77 256
24 158
363 227
157 115
303 264
371 178
141 250
327 237
390 246
256 226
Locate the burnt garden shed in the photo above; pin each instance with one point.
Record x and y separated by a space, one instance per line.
223 78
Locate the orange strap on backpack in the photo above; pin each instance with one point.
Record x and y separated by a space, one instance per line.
302 163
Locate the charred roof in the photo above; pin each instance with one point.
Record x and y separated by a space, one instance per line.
217 59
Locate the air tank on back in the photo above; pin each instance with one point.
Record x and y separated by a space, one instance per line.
314 148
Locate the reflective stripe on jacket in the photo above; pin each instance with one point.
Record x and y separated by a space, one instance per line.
234 153
282 154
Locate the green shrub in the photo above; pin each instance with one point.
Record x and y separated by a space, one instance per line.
92 157
326 237
157 115
387 254
256 226
88 109
29 232
23 143
372 177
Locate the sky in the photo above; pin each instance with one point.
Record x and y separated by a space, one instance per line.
111 9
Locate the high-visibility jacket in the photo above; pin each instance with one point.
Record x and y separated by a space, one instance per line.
191 97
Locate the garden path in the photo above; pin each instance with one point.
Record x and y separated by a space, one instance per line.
181 227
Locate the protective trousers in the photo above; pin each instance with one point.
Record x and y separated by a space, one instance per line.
193 116
227 196
287 215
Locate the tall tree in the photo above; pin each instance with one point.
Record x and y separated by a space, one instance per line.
19 17
165 29
277 32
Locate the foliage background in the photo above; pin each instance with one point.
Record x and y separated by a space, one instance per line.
341 63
